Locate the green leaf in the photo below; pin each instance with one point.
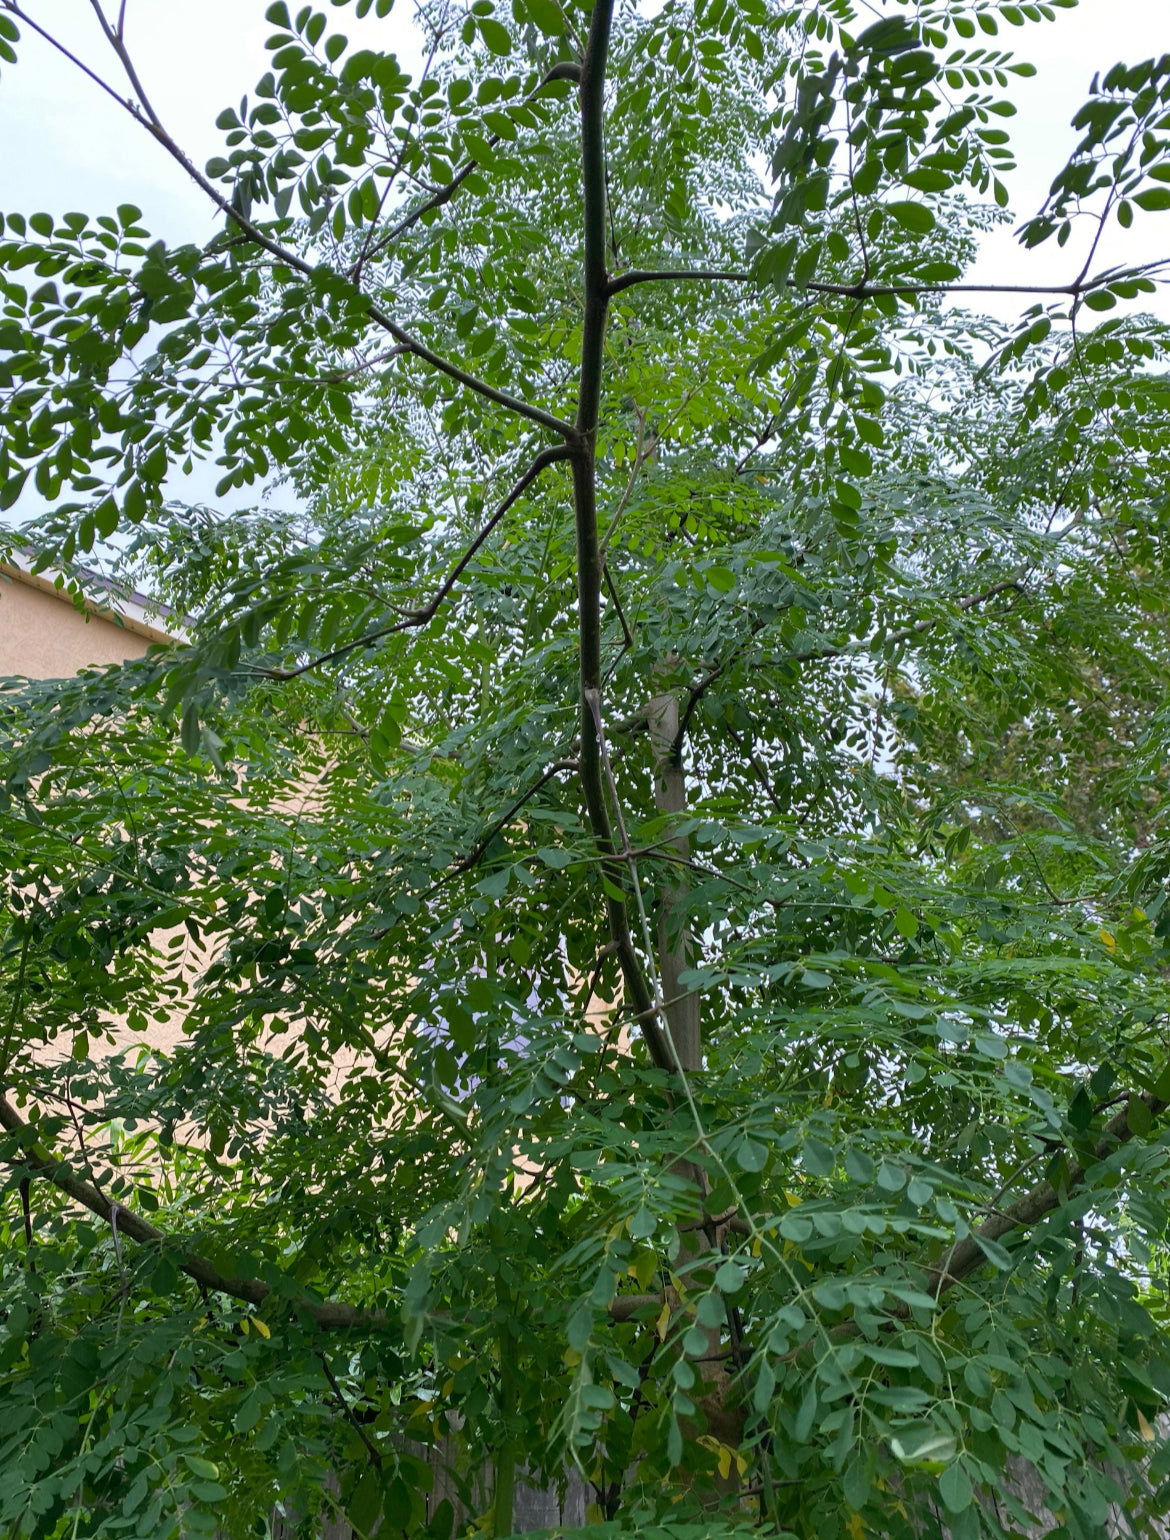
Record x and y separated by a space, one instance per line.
858 1166
915 217
12 489
729 1277
954 1488
891 1178
802 1423
994 1252
1153 199
365 1504
1138 1116
105 517
547 15
190 734
494 35
554 857
927 179
817 1157
643 1224
1080 1111
751 1155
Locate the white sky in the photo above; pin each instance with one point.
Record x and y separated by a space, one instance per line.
67 146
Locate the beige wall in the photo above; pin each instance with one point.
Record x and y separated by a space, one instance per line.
43 637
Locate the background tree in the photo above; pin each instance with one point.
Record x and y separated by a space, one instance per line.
687 612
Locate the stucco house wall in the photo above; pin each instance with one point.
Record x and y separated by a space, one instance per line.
42 635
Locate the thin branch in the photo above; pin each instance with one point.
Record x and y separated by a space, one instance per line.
421 617
104 85
34 1158
465 863
371 363
627 635
824 654
566 70
144 114
640 456
374 1452
866 290
481 388
967 1256
760 773
707 274
355 272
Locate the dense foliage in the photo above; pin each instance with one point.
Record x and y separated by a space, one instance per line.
654 868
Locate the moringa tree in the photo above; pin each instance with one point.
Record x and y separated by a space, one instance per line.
658 859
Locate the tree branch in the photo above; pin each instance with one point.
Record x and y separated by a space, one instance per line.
866 290
567 70
967 1256
372 1449
427 613
465 863
823 654
34 1158
144 114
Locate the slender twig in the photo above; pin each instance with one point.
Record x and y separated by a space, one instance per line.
374 1452
566 70
369 363
627 634
760 773
420 617
639 460
87 1164
465 863
26 1211
355 273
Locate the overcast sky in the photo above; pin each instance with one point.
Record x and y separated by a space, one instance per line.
68 146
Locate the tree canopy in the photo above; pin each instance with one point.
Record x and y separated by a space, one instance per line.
652 828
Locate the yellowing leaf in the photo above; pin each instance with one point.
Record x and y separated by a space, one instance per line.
1110 941
258 1325
855 1527
1144 1428
663 1322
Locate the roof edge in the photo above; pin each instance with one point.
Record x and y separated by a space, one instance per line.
131 614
